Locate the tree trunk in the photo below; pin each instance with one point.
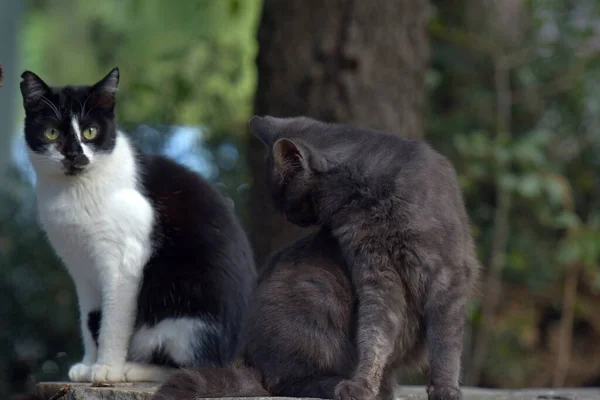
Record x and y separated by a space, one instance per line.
350 61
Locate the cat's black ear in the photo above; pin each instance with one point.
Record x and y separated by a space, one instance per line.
105 90
291 157
263 128
33 88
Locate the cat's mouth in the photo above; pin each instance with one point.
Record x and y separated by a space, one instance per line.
74 170
75 167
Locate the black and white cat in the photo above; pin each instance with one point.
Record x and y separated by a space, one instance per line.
162 268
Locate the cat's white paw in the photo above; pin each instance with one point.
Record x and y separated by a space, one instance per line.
80 372
135 372
108 373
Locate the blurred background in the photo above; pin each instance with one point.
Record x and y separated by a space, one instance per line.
509 90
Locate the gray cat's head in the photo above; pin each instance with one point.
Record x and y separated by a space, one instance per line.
296 163
67 128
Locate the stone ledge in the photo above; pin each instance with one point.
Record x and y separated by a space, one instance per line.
85 391
143 391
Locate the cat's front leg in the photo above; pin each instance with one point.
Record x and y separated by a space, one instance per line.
120 284
445 316
89 304
118 318
381 306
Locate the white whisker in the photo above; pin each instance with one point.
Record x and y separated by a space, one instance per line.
83 112
80 105
51 105
88 111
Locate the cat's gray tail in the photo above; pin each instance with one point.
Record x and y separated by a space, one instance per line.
233 381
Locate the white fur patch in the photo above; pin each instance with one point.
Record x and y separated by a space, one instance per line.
147 373
77 129
48 163
171 335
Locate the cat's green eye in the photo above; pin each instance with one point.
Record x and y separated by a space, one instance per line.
51 133
90 133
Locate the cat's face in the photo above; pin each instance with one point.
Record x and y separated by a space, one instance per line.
68 128
294 166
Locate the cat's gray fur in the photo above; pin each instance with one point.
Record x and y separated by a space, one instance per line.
396 208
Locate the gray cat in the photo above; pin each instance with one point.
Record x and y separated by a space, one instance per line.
393 211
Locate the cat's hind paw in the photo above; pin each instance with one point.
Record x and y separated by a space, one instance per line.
102 373
129 372
80 372
351 390
135 372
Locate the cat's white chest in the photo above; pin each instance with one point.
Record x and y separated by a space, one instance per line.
103 226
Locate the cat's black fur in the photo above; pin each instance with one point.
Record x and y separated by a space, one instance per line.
202 264
399 247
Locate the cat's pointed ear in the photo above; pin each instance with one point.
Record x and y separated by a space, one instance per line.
105 90
291 157
263 128
33 88
110 83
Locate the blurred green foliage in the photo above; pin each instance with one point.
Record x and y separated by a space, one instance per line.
543 152
186 63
